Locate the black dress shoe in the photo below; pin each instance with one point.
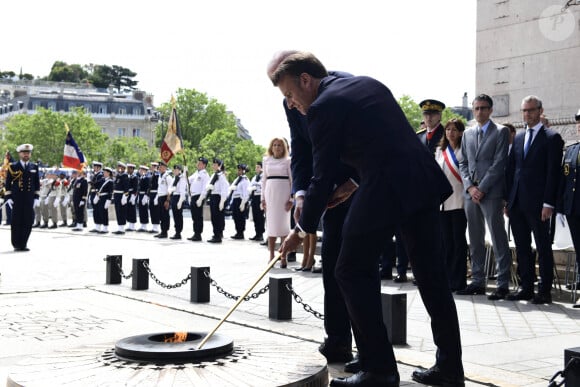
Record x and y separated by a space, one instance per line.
33 226
265 243
542 298
196 238
63 225
238 236
176 236
315 269
435 377
160 235
21 249
366 378
53 226
299 268
291 257
119 232
257 238
215 239
46 226
401 278
470 290
521 295
499 294
335 353
352 366
94 230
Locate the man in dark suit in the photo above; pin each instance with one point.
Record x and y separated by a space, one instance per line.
79 201
532 178
434 131
358 121
22 196
337 346
485 151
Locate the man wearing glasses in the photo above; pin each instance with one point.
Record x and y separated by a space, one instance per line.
485 151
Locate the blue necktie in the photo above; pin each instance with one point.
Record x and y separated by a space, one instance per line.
529 142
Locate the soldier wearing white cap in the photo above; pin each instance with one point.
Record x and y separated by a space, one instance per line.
133 194
50 211
154 211
22 196
143 198
197 183
102 202
121 197
95 182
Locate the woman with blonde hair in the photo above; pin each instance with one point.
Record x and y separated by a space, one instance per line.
277 193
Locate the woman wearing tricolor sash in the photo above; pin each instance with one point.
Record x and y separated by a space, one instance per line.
453 219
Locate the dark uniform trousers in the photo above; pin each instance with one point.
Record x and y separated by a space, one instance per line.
131 211
177 214
143 209
196 215
357 266
102 214
258 214
163 214
22 218
336 321
239 216
120 210
218 220
154 209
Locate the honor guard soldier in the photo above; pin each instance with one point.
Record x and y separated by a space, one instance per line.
41 214
240 196
95 183
51 210
162 198
62 191
197 183
178 194
217 190
255 191
121 197
133 194
102 202
22 196
152 192
433 132
79 199
66 199
569 196
143 198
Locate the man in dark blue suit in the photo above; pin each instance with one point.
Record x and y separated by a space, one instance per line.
337 346
533 174
357 121
22 195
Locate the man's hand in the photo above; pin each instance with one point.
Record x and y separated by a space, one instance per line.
133 199
242 206
298 204
156 200
290 244
199 202
56 202
476 194
289 204
342 193
66 200
547 213
180 203
221 206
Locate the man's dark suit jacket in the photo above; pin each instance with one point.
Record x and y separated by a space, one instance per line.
358 121
434 142
534 180
301 147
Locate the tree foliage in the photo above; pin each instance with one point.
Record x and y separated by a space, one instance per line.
128 150
63 72
415 116
46 131
120 77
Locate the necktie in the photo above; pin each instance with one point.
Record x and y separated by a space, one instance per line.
479 136
529 142
430 135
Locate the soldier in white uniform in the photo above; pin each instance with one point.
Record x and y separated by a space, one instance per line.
255 190
197 183
162 199
178 194
240 196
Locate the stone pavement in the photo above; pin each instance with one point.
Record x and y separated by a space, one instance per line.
54 298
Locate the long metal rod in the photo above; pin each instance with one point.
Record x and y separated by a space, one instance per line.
240 300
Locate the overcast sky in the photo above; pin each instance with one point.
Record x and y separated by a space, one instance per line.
422 48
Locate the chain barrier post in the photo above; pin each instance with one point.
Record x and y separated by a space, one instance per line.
572 368
140 275
199 284
280 299
395 316
113 274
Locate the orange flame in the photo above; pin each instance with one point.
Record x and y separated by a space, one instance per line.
178 337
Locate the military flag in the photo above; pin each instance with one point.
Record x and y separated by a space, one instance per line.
173 141
72 157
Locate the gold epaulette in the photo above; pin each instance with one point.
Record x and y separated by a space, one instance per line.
421 131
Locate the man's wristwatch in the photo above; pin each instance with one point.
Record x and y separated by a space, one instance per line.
301 234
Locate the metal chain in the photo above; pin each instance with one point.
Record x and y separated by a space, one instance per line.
164 285
220 290
574 362
121 270
306 307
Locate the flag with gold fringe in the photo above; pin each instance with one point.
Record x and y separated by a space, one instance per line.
173 142
72 157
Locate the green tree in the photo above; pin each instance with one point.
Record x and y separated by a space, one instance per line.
63 72
120 77
128 150
7 74
46 131
415 116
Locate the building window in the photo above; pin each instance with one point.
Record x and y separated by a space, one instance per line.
36 106
52 106
122 110
137 111
121 132
88 108
136 132
102 109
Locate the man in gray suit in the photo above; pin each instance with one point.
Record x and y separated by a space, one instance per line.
485 151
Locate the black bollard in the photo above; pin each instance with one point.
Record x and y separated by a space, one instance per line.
113 271
280 299
199 284
395 316
140 275
572 376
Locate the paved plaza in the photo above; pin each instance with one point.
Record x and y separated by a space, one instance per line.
55 300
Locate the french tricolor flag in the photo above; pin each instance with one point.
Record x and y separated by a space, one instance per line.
72 157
